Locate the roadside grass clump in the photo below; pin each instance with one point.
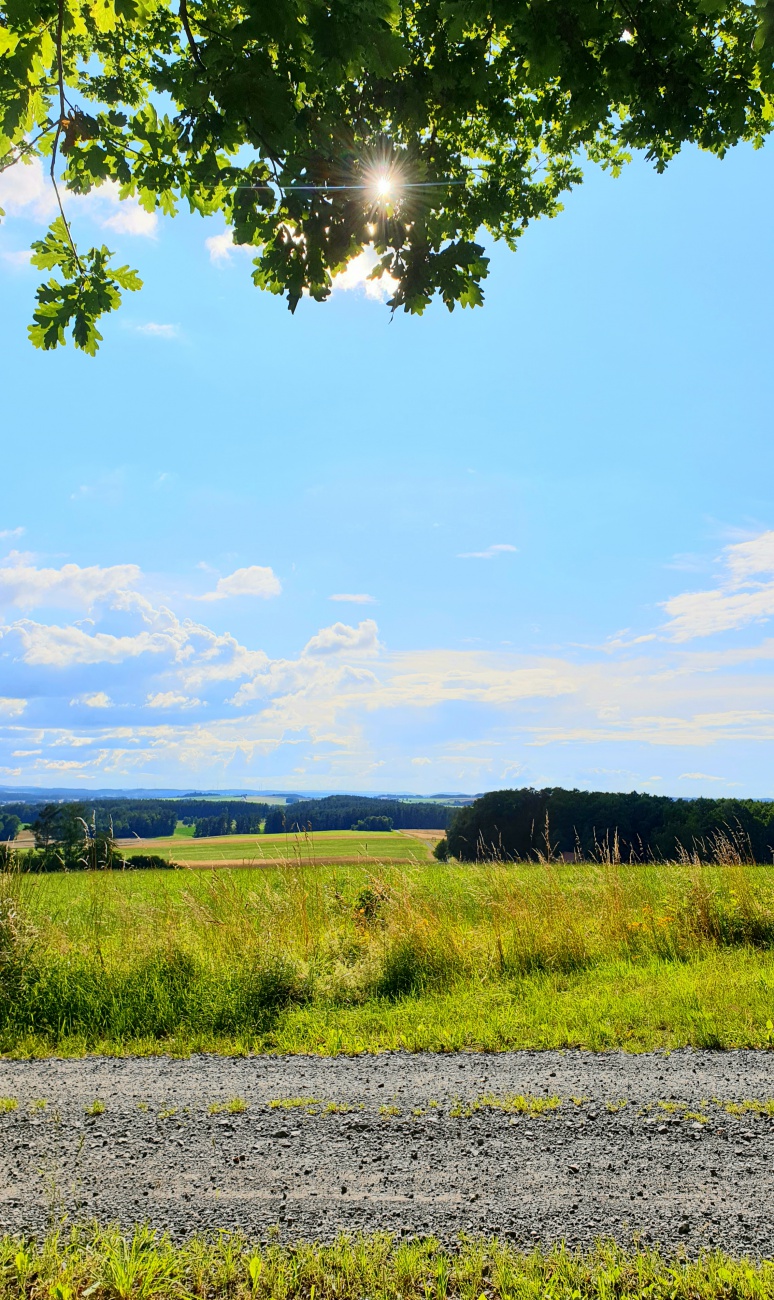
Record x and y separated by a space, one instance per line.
365 957
308 1104
8 1105
235 1106
95 1108
103 1263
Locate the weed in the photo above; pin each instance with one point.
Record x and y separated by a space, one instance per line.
236 1106
518 1104
340 1108
491 956
613 1107
168 1112
8 1104
40 1103
149 1266
387 1111
295 1103
96 1108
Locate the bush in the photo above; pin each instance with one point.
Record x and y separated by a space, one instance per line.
441 850
145 862
373 824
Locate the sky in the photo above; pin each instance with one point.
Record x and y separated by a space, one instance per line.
528 544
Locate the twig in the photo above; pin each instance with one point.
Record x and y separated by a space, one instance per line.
59 125
189 34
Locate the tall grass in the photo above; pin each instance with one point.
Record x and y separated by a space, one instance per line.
147 1266
365 957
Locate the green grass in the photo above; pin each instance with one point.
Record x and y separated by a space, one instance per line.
147 1266
364 957
324 846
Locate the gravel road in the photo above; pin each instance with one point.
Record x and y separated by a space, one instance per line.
402 1147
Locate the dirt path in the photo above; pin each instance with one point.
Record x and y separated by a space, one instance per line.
589 1168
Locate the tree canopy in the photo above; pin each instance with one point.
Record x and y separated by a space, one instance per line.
320 127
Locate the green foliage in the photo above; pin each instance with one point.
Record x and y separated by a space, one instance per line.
516 825
150 1266
89 288
362 958
373 824
317 129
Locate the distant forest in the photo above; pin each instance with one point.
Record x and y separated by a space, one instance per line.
153 818
340 812
522 824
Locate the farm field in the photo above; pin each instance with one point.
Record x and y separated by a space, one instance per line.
327 846
304 957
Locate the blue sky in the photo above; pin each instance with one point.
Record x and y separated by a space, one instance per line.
560 508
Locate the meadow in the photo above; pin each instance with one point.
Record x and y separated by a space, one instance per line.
325 846
105 1264
308 957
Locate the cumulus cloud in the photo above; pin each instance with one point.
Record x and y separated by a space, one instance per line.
171 700
220 247
257 580
498 548
744 593
26 190
341 638
97 700
26 586
354 598
356 276
10 707
342 703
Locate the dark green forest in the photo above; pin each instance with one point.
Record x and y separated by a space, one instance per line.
527 823
340 812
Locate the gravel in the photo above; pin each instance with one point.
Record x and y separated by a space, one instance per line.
593 1168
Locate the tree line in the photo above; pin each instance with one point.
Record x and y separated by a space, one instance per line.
342 812
530 824
143 818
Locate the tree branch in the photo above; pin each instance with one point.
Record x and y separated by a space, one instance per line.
60 126
189 34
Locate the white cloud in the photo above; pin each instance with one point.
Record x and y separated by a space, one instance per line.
24 585
421 762
131 219
11 707
257 580
171 700
154 330
356 273
341 638
698 776
26 190
738 600
18 258
354 598
220 247
499 548
5 533
97 700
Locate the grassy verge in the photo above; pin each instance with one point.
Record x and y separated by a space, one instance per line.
108 1266
368 957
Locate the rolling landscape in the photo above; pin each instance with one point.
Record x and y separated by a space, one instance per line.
386 645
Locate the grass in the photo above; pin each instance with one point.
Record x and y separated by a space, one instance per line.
367 956
104 1264
323 846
